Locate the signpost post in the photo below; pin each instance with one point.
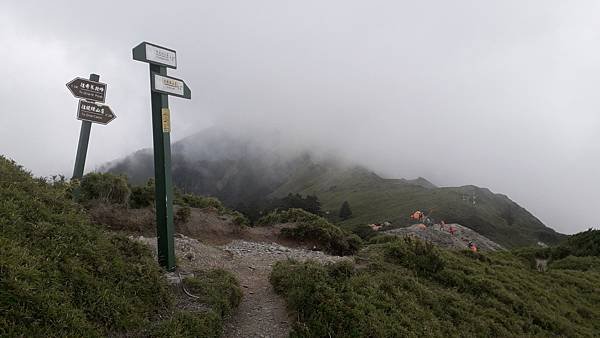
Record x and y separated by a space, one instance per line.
161 85
88 111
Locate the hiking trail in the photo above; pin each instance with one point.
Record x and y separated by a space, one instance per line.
262 313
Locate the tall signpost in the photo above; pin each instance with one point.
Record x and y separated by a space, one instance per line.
161 86
90 92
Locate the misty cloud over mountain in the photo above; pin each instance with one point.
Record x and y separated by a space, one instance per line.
247 174
499 94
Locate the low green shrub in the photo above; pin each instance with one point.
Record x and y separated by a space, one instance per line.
190 324
105 187
313 228
182 215
363 231
586 243
380 239
239 218
415 254
142 196
217 288
201 202
583 244
293 215
577 263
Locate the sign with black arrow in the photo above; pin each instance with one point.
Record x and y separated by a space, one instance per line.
85 89
170 86
94 112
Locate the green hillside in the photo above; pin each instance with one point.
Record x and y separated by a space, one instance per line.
244 175
374 199
63 276
409 288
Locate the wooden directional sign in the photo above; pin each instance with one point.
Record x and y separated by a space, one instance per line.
170 86
94 112
147 52
85 89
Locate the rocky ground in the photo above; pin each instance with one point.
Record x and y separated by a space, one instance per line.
262 312
442 236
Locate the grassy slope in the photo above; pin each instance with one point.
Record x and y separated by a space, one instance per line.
374 199
61 275
407 288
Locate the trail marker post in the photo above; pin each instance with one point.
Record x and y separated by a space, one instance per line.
88 111
161 86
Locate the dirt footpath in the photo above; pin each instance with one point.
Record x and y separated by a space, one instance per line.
262 312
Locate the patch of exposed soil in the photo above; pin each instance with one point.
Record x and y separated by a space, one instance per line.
206 224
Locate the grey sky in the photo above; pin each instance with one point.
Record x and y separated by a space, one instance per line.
501 94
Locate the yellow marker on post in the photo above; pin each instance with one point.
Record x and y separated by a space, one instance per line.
166 120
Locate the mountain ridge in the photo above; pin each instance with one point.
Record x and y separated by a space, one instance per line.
241 173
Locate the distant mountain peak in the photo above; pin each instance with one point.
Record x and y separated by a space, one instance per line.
242 171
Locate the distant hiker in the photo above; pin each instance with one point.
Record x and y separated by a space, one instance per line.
417 215
472 246
452 229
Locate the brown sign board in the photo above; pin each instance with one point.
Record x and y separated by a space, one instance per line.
85 89
94 112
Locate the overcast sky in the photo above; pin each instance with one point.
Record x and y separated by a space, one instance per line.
501 94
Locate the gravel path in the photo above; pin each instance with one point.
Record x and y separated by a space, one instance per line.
262 312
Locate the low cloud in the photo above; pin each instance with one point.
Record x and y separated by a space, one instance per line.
499 94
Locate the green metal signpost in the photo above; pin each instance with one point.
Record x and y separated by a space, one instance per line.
84 138
161 86
88 111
